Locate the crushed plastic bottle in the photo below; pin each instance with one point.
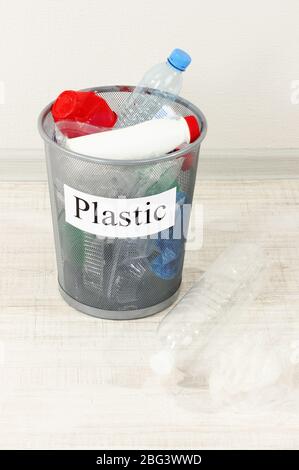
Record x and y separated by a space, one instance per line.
137 252
129 264
233 280
94 264
129 277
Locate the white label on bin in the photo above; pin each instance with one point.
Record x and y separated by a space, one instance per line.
121 218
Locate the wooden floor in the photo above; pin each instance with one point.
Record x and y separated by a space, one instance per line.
72 381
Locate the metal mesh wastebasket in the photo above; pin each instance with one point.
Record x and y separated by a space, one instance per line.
117 277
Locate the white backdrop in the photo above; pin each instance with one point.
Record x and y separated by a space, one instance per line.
245 61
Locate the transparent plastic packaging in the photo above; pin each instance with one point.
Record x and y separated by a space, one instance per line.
167 77
65 130
216 351
233 280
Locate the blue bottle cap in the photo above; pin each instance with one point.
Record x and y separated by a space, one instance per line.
179 59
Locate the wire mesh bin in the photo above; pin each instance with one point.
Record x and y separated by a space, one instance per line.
120 277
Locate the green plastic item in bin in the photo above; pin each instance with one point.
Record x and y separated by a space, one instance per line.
158 184
161 186
72 240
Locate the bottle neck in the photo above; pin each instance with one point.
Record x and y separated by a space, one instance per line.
173 68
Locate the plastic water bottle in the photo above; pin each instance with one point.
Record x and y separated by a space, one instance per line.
232 282
167 78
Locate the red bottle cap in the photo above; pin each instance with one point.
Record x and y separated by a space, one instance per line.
194 128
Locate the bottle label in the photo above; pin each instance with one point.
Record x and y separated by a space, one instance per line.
120 218
166 112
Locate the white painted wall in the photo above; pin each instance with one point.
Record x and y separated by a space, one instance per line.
245 58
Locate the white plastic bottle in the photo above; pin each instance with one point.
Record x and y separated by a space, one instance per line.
145 140
166 77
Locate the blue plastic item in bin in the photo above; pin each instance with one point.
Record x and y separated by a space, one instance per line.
168 262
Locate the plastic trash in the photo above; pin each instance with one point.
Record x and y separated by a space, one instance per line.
129 260
145 140
246 368
170 245
84 253
83 277
129 274
165 112
72 240
166 77
128 255
71 129
94 264
137 261
162 180
233 280
144 251
82 107
123 271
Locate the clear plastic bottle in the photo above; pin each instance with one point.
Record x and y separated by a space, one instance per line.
94 264
167 78
233 280
136 261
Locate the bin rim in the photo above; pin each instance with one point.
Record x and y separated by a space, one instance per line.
121 162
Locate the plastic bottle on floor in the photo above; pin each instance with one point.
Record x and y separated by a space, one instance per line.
234 279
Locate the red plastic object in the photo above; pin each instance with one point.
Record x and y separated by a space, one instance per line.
195 132
82 107
194 128
188 162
